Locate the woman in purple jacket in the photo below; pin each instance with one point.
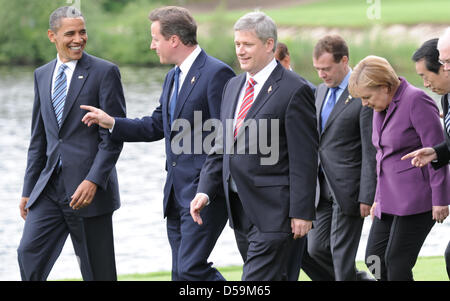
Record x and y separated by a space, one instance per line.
408 200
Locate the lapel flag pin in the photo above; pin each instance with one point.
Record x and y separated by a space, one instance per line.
80 77
193 80
269 90
348 99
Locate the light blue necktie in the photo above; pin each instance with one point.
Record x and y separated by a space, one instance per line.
59 93
173 99
326 110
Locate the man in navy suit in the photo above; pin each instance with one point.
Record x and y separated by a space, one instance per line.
270 195
70 184
191 95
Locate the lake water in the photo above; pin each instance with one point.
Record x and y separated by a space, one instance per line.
141 243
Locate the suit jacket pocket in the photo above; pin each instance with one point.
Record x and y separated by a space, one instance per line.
260 181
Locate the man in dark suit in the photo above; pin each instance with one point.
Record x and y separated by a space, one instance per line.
347 164
437 78
70 184
191 95
298 250
269 192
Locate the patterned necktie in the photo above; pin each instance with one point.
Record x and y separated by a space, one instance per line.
447 122
173 99
246 104
326 110
59 93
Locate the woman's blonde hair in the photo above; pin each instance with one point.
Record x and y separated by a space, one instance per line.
372 72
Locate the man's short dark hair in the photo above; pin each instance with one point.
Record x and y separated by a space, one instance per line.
177 21
60 13
333 44
428 52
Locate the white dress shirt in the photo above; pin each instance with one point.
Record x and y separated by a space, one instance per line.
185 66
260 79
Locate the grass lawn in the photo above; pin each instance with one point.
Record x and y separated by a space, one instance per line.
426 269
350 13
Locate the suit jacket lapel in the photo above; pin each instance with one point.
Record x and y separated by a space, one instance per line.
230 109
189 83
444 103
47 82
79 77
235 97
338 108
321 94
391 109
167 94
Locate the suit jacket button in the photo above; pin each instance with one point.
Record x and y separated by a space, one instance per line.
174 164
60 140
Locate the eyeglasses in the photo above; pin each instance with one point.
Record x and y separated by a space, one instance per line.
443 62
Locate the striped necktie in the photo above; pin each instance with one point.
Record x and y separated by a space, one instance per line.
59 93
246 104
447 122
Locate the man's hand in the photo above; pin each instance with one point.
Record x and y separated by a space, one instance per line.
440 213
197 204
23 211
372 210
364 209
84 195
422 156
300 227
97 116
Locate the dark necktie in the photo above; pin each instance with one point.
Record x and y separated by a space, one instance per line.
326 110
173 99
59 93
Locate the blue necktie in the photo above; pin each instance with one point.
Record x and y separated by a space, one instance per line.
59 93
173 99
326 110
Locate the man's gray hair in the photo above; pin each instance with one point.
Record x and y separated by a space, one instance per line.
444 39
262 24
63 12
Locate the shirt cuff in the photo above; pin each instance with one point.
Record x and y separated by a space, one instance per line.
201 193
112 128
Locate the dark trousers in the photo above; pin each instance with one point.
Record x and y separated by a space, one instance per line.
447 259
296 257
264 254
334 240
394 243
49 221
191 244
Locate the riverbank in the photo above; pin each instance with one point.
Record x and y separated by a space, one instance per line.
426 269
393 29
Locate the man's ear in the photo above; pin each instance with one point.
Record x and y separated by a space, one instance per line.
51 35
444 73
174 41
270 44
